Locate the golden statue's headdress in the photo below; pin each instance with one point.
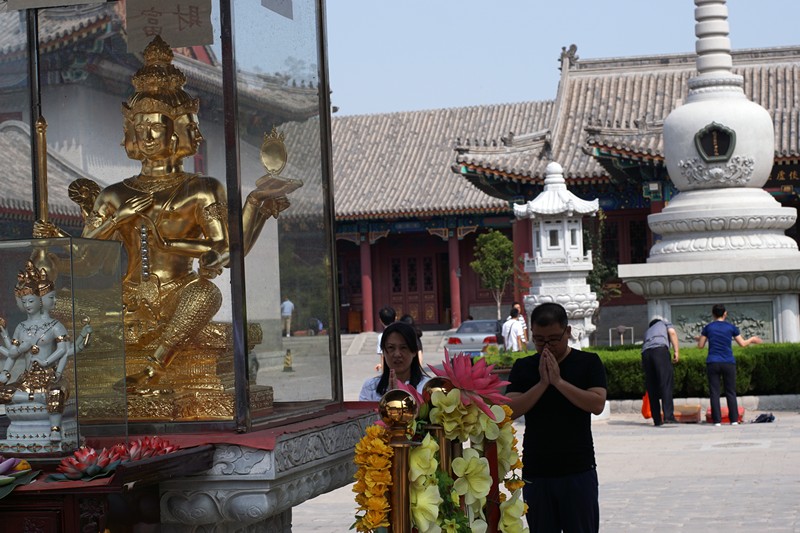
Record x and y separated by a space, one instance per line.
32 281
159 85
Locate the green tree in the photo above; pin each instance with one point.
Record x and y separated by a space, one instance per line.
494 263
602 270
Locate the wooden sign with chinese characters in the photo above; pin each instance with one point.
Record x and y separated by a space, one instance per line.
31 4
178 22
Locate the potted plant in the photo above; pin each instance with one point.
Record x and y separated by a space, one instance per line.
502 360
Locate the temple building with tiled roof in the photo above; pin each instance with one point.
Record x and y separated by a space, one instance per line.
404 221
604 127
412 190
606 131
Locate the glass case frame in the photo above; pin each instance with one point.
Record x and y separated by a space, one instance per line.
246 416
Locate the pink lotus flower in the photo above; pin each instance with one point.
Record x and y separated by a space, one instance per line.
149 447
475 380
86 462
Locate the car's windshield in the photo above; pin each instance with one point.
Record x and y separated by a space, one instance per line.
482 326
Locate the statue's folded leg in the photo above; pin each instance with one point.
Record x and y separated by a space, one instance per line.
198 302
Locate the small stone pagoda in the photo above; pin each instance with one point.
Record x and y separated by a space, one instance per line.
559 266
722 238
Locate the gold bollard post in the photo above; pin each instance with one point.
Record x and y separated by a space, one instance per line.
287 361
398 408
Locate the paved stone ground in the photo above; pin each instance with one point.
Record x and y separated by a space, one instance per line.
684 477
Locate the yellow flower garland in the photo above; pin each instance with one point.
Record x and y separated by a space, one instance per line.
373 479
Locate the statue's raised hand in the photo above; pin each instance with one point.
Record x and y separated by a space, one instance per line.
45 230
210 265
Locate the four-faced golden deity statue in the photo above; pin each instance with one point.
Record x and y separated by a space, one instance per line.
167 219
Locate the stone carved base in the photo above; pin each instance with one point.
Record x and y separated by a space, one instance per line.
29 429
745 282
249 489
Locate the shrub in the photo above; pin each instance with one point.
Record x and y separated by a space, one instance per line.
761 369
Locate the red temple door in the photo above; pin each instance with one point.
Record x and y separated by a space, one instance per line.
413 287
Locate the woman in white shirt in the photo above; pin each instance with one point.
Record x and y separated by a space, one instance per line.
399 346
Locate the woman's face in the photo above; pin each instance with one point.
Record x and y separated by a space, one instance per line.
397 353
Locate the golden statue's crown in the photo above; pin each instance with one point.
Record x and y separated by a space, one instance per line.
32 281
159 85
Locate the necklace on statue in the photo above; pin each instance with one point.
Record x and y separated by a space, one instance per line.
35 348
153 184
34 329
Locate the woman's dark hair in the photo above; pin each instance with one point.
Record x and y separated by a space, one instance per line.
410 336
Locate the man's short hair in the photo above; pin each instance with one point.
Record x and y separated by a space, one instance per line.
655 319
718 310
514 313
387 315
549 313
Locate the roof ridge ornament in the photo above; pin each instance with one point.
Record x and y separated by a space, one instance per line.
569 55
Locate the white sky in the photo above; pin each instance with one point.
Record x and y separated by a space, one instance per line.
428 54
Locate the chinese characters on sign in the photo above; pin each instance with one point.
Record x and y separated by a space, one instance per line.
178 22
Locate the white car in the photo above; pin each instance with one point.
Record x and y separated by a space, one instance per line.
473 336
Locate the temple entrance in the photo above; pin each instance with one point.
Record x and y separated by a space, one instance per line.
413 286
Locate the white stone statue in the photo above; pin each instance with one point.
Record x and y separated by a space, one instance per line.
44 344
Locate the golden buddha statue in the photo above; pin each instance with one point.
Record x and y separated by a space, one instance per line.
167 219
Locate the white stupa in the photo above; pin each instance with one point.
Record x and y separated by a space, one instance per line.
559 266
722 238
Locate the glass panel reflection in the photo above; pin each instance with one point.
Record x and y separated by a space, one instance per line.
278 79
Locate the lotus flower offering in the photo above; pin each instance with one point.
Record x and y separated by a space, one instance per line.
14 472
87 463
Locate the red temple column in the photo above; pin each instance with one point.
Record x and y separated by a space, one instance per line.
455 281
366 285
521 237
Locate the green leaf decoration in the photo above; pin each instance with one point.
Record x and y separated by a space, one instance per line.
28 476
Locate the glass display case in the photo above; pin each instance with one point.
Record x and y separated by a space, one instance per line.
210 164
61 349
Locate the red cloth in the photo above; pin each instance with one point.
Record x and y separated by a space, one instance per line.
723 411
263 439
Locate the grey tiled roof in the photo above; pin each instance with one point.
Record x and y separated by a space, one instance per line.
398 164
619 105
15 184
60 27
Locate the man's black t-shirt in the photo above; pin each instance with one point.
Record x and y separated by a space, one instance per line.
558 435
